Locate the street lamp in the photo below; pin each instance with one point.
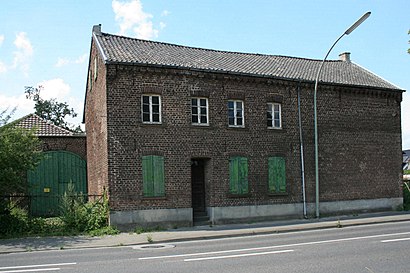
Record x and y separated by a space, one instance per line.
347 32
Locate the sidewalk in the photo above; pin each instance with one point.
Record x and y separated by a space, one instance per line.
195 233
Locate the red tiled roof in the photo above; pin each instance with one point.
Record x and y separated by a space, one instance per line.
43 127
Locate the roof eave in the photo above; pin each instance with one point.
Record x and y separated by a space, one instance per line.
234 73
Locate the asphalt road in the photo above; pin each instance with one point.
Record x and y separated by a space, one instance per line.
373 248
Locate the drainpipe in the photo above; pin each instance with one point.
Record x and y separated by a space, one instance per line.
302 162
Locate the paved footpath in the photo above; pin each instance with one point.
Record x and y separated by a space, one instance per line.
195 233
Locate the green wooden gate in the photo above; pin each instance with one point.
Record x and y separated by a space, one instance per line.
49 181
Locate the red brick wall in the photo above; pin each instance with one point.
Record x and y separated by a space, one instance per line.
75 145
359 138
96 125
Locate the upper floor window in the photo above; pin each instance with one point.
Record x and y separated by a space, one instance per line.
199 111
235 113
274 115
151 109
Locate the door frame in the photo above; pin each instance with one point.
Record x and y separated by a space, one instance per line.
202 163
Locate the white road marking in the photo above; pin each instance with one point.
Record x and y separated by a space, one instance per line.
395 240
275 246
35 265
237 256
282 233
32 270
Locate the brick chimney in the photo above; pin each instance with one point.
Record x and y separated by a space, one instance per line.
97 29
345 56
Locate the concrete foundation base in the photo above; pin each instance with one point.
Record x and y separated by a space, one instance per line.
366 205
129 220
225 215
243 214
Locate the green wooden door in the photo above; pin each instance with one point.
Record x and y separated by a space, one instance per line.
50 179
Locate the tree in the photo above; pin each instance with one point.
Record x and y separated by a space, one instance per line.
4 117
408 50
52 110
20 151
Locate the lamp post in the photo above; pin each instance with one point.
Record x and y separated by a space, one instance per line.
347 32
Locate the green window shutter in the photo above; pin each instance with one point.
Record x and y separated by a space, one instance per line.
277 174
233 175
238 175
147 175
243 175
153 175
271 166
158 163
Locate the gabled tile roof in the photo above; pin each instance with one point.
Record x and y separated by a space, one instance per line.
43 127
119 49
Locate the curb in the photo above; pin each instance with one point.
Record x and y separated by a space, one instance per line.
230 233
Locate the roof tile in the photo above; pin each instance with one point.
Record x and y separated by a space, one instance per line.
43 127
119 49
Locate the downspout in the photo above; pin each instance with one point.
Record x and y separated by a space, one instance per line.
302 162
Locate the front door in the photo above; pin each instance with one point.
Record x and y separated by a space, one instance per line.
198 185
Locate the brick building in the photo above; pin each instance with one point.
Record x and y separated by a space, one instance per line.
63 162
54 138
180 134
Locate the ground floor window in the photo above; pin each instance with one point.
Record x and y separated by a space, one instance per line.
277 174
238 172
153 175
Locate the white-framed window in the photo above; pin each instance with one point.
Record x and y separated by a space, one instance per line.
274 115
199 111
236 113
151 109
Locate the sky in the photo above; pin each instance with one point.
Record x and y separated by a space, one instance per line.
47 42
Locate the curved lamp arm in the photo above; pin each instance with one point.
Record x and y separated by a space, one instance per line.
347 32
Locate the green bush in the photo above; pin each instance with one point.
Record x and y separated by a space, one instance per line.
82 216
16 223
13 220
78 216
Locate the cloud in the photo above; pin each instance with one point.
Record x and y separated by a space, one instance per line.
164 13
162 25
3 67
61 91
20 102
1 39
65 61
131 16
62 62
81 59
55 88
24 52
